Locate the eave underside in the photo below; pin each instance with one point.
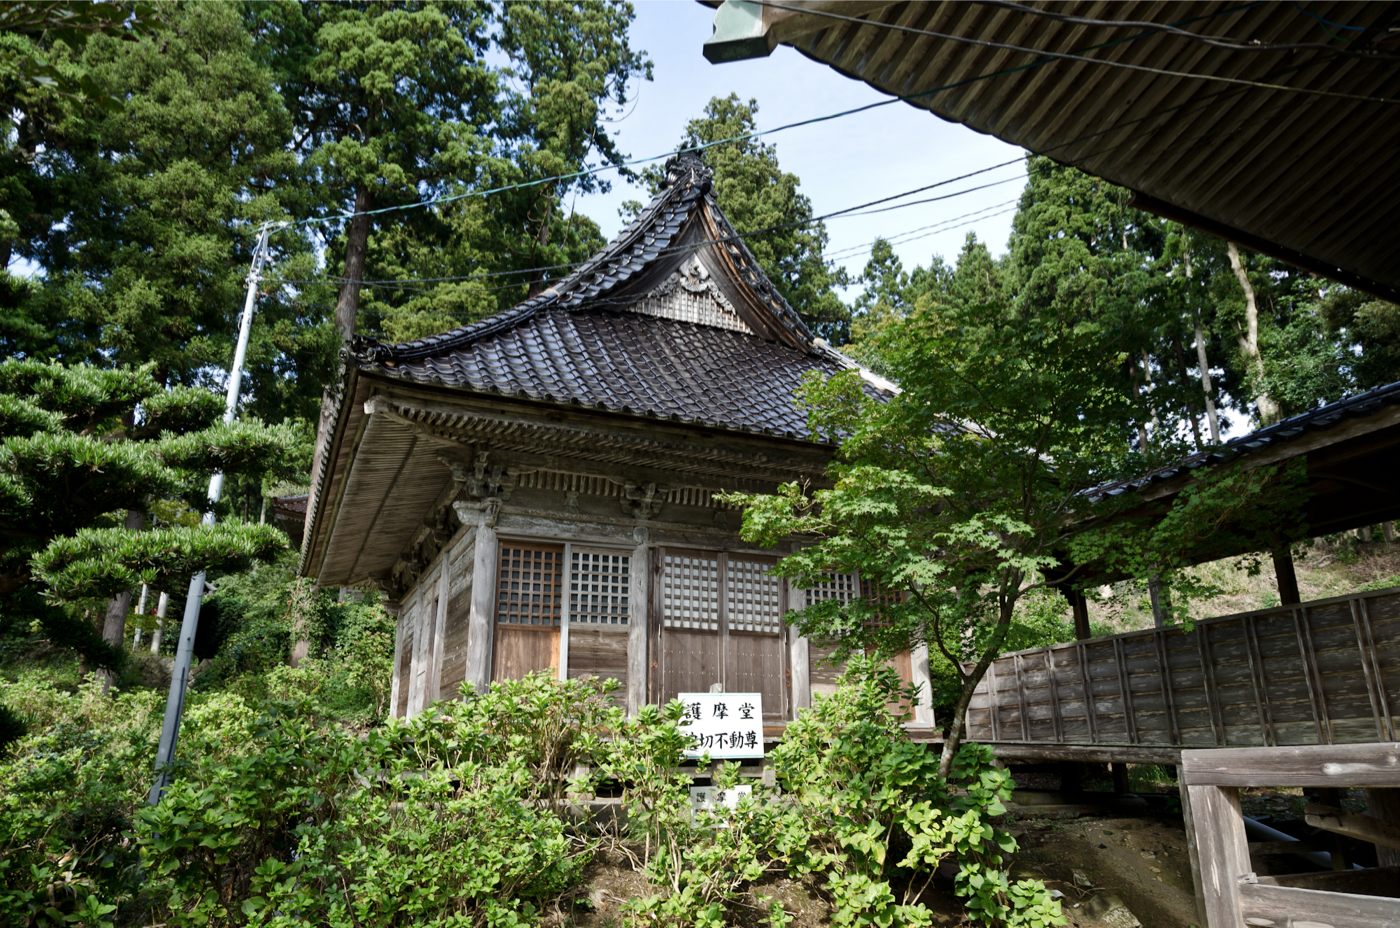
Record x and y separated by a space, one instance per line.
1306 174
408 453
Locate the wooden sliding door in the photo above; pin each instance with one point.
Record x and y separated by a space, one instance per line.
719 624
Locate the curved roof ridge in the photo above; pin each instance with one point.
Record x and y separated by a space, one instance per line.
687 180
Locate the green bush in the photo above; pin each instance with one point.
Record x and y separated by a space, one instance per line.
70 790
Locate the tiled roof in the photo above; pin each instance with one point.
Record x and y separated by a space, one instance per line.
651 236
1317 420
642 365
577 344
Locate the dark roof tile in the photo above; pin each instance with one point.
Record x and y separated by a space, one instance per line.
634 364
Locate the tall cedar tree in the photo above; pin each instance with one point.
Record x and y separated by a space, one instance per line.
397 103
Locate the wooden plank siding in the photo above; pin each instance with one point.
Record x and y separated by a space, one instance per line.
1323 672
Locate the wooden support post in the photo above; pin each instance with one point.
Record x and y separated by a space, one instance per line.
1120 777
439 625
480 619
396 681
1161 605
919 674
638 621
1287 578
1219 850
799 655
1384 805
1079 604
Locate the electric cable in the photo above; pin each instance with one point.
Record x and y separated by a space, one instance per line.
1205 38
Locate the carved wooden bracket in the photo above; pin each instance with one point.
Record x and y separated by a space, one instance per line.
642 501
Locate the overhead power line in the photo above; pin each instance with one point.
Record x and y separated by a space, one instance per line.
878 205
1202 37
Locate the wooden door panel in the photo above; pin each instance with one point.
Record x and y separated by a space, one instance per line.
690 662
521 649
756 665
600 651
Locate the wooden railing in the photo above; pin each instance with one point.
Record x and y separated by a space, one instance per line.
1322 672
1229 894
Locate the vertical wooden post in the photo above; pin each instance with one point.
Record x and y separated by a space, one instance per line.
799 655
396 679
1384 804
1161 605
480 624
439 622
638 621
1222 851
1284 573
1080 605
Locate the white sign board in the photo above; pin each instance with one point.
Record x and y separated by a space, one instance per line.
725 726
707 798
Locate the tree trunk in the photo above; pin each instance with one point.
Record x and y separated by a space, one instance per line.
1207 388
953 736
114 622
1249 342
356 245
162 605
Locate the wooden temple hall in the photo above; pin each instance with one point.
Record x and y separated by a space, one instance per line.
537 491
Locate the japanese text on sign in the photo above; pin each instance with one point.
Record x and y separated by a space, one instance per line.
723 725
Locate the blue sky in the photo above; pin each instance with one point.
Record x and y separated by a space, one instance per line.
840 162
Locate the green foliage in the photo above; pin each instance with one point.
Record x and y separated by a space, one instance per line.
859 809
82 449
72 788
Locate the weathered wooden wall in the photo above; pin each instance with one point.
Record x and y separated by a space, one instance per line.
1323 672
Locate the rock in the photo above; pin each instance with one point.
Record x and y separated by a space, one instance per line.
1081 879
1112 911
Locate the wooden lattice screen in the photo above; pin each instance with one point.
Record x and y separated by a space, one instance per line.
690 591
600 584
753 597
530 584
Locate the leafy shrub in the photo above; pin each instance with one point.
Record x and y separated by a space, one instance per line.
863 788
71 788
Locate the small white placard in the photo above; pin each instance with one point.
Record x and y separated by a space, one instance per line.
707 798
723 725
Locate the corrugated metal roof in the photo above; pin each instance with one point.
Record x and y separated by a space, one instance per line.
1289 144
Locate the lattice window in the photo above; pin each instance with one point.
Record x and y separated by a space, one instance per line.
753 596
600 587
841 587
690 591
528 591
878 597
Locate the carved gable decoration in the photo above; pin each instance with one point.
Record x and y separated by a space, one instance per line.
689 295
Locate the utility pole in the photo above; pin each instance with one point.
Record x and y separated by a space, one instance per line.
184 648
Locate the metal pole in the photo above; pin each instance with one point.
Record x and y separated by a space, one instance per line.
184 648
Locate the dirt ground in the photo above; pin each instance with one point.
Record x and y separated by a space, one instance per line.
1112 869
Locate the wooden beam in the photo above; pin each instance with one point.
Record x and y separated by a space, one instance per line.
1289 905
1354 825
1384 804
1364 765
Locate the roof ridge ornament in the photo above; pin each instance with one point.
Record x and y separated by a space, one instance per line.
687 168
